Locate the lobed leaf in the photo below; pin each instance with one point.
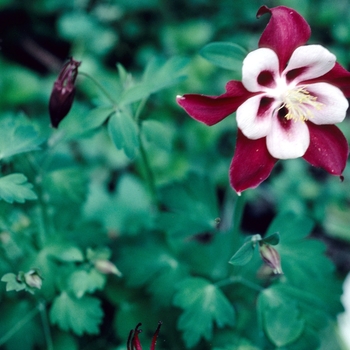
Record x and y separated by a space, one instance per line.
12 283
15 188
192 204
81 315
123 131
203 304
17 138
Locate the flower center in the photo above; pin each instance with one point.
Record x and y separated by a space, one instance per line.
300 104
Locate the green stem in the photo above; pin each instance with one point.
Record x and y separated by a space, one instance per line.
237 219
148 173
46 326
139 110
105 92
18 326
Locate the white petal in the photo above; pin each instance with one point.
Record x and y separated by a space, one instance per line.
334 104
314 59
254 122
288 143
256 62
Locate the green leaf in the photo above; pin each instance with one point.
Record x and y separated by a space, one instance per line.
64 252
66 184
224 55
81 282
244 254
158 269
12 283
96 117
160 76
192 204
123 131
157 133
133 215
17 138
203 304
304 261
281 316
15 188
135 93
272 239
78 315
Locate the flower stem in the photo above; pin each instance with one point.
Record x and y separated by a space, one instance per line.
46 326
148 173
105 92
19 325
237 219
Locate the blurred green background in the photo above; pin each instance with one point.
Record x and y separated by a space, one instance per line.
36 39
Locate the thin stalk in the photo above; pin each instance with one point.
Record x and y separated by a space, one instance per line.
18 326
237 219
46 326
148 173
105 92
146 164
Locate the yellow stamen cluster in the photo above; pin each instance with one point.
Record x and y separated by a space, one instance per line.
298 103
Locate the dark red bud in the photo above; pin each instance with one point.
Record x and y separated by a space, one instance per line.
63 92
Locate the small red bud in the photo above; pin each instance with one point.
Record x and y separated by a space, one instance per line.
63 92
271 257
106 267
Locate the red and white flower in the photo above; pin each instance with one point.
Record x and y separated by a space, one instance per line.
290 97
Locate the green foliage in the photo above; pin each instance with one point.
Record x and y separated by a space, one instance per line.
81 315
124 134
17 137
15 188
202 301
126 209
12 282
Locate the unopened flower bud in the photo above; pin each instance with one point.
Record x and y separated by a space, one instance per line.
106 267
271 257
33 279
63 92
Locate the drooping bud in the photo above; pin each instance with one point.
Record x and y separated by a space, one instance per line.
33 279
271 257
106 267
63 92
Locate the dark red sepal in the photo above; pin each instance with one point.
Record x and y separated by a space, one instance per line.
328 148
252 163
212 109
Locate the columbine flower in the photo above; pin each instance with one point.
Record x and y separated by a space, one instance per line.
63 92
134 342
289 98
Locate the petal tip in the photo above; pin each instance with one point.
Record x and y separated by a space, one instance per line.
262 10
